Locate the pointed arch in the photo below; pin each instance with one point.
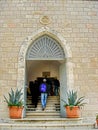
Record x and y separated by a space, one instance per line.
45 47
28 42
63 52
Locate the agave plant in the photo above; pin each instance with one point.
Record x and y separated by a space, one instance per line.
73 100
97 117
14 98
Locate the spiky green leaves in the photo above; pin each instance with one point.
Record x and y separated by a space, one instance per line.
14 98
73 100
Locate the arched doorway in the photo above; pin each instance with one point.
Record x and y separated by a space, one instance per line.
51 47
47 53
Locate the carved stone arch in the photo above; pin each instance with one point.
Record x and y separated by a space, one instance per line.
61 44
45 48
28 41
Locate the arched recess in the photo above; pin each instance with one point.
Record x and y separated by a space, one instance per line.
66 68
45 48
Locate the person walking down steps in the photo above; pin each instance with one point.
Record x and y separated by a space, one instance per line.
44 93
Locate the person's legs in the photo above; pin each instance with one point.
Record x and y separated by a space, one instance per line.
33 99
45 99
36 101
42 99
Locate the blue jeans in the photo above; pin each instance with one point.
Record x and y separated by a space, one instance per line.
43 99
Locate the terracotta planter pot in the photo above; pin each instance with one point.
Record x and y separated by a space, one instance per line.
15 112
97 122
73 113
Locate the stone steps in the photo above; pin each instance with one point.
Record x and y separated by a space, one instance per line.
43 114
39 110
46 124
46 120
52 108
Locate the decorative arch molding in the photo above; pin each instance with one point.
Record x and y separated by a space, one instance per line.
45 48
27 43
43 31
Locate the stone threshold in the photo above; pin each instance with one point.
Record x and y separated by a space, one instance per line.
46 124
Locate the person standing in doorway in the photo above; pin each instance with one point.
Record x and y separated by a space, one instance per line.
34 89
56 87
44 93
49 84
36 93
31 84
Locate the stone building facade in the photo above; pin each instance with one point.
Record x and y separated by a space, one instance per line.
73 27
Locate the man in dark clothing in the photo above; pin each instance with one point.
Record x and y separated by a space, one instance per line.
31 89
36 93
56 86
49 84
34 89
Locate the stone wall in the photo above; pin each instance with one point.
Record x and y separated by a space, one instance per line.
75 20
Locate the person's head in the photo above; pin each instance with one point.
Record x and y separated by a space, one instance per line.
44 80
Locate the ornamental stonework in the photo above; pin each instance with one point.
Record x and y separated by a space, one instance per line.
45 20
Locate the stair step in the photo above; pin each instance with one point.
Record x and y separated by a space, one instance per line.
52 108
48 97
47 106
47 113
40 110
43 115
46 123
48 109
47 101
51 103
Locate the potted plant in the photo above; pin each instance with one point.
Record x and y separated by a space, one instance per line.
15 103
72 104
97 120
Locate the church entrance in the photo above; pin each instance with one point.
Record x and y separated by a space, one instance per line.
38 70
46 57
46 53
